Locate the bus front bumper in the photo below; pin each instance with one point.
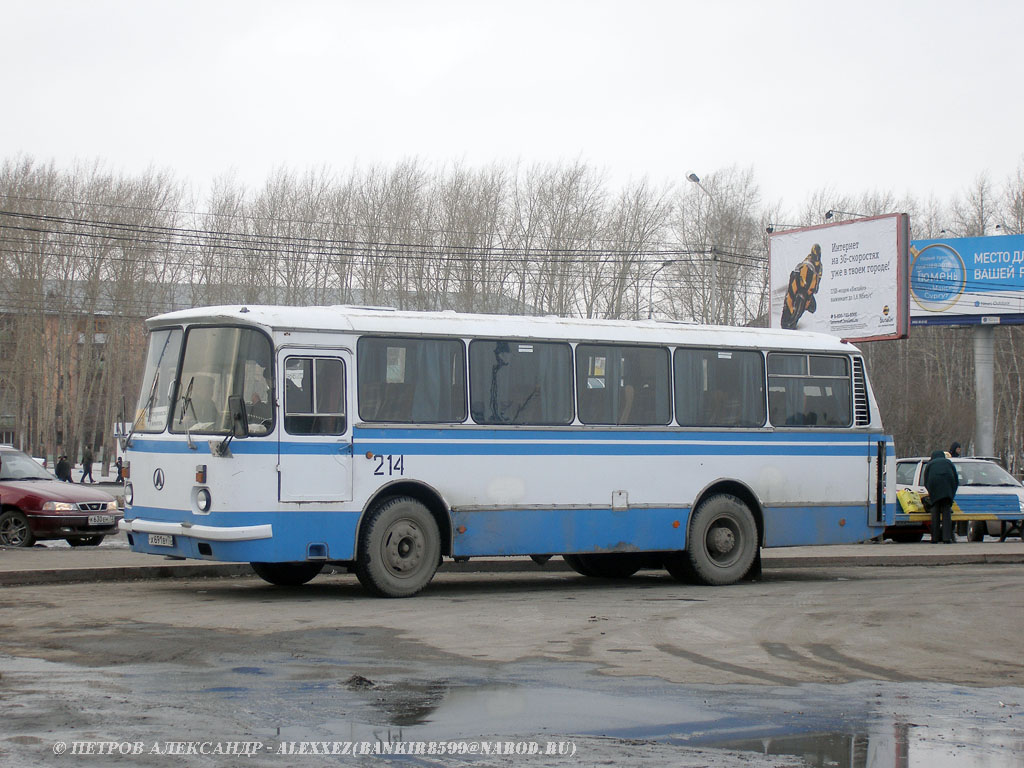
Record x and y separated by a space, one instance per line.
204 532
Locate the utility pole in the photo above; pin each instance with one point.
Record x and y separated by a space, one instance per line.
713 302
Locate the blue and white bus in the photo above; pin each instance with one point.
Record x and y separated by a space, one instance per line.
293 437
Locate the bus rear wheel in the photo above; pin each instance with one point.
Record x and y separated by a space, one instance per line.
287 574
399 548
605 565
721 546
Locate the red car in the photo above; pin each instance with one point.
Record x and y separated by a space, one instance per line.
36 505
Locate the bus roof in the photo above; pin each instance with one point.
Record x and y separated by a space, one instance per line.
349 319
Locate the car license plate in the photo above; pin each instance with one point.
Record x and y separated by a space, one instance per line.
101 519
161 540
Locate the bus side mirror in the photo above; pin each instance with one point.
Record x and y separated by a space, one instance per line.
239 420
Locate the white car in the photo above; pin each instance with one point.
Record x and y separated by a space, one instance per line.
985 489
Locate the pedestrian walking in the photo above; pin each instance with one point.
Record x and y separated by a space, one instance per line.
941 480
120 470
954 451
87 465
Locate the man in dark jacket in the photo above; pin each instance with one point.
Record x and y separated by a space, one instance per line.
941 480
63 471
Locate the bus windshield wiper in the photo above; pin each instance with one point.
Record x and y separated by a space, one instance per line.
186 403
147 410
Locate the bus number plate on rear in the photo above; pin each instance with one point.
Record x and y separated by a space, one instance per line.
161 540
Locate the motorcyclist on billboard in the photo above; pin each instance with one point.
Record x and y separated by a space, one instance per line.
803 284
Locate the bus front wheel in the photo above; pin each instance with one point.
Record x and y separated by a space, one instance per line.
399 548
721 546
287 574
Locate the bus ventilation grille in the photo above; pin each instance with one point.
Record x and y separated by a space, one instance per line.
862 414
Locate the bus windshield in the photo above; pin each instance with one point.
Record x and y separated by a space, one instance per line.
218 363
158 381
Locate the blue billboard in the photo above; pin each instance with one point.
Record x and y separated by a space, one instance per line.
967 280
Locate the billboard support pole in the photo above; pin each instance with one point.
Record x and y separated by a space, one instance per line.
984 380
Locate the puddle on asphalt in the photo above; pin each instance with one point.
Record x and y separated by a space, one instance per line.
857 725
867 724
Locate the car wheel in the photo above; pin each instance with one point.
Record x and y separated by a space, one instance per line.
287 574
399 548
85 541
721 546
14 530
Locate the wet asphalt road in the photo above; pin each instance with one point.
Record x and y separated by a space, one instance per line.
851 667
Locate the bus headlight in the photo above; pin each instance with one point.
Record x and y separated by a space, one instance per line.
129 494
203 500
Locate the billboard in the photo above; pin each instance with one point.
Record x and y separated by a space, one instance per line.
847 279
965 280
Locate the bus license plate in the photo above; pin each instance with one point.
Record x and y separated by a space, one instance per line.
161 540
101 519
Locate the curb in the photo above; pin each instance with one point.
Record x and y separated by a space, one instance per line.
121 573
969 558
185 570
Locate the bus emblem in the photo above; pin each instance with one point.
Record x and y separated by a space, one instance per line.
158 479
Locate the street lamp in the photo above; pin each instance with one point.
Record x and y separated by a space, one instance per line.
650 292
696 180
830 213
693 177
772 227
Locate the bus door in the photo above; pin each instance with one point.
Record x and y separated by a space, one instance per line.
878 460
315 443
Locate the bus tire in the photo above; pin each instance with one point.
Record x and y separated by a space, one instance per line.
576 563
399 548
722 543
606 565
679 568
287 574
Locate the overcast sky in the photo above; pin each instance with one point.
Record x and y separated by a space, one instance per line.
907 96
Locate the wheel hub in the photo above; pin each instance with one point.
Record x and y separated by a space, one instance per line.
403 547
721 541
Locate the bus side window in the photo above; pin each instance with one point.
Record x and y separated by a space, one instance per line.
622 385
411 381
314 396
520 382
721 388
810 390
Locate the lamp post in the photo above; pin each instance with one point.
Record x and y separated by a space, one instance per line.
693 177
832 212
650 292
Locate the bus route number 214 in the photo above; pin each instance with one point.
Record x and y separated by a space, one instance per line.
389 465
